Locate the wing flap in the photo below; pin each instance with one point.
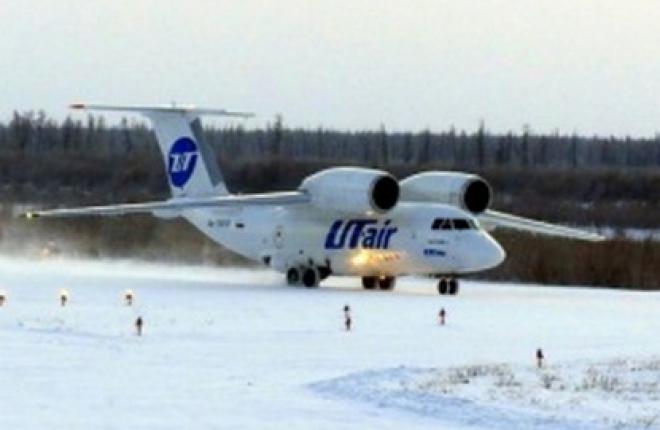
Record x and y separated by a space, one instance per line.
500 219
175 206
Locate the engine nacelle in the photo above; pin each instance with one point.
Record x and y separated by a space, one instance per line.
352 189
467 191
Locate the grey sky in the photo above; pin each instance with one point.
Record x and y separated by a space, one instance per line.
589 66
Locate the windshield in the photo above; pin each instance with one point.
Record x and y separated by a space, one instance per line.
454 224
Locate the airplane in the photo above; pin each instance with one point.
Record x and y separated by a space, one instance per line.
340 221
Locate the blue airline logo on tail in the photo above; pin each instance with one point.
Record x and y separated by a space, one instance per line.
362 233
182 160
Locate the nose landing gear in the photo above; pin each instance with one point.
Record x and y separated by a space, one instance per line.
448 286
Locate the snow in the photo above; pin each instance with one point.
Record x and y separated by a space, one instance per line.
616 394
229 348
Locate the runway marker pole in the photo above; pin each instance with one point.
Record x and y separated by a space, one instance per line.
64 297
128 297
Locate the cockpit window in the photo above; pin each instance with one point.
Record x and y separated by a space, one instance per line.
461 224
454 224
441 224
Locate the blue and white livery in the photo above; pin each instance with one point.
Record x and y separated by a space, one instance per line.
340 221
182 161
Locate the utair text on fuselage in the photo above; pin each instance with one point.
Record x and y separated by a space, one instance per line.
360 233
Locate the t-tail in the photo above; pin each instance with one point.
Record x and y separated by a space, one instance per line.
191 166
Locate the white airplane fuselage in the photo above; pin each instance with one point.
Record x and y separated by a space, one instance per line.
403 241
343 220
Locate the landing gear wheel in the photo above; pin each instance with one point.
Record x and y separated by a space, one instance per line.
369 282
453 286
311 277
386 283
293 276
324 272
443 286
448 286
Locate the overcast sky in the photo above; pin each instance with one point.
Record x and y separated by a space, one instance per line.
588 66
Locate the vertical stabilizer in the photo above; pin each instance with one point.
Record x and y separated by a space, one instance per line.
190 164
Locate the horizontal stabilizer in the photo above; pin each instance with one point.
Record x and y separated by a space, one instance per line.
495 219
175 206
181 109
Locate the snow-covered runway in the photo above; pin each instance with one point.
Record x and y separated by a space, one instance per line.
227 348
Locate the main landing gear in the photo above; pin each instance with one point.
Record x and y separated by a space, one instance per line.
309 276
448 286
385 283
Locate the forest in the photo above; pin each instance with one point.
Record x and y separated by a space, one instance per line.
597 182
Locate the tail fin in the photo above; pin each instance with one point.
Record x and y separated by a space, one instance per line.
189 161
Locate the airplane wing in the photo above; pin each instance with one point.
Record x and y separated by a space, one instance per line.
174 206
493 219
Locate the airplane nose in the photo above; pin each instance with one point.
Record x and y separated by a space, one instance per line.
496 252
485 255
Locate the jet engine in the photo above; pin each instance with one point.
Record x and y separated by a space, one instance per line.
352 189
467 191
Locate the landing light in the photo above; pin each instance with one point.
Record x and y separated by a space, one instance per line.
365 257
360 259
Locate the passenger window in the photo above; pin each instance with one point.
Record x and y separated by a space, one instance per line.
461 224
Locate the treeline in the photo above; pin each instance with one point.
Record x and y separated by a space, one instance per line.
566 178
617 263
455 149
